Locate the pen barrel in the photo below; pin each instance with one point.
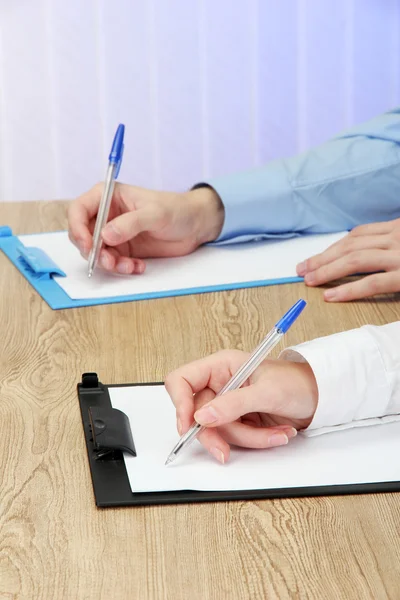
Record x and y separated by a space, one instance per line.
254 361
188 437
102 215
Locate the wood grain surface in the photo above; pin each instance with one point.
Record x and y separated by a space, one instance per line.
55 544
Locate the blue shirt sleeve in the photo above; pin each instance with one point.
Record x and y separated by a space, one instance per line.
352 179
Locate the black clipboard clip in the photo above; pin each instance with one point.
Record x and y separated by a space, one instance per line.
109 427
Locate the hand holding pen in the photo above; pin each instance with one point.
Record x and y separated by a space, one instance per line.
278 397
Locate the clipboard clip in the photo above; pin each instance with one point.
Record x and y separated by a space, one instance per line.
5 231
109 427
36 262
111 432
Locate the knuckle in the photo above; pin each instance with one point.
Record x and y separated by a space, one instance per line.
356 231
164 215
374 284
71 207
226 354
319 275
349 244
354 260
313 264
223 353
169 380
346 293
238 353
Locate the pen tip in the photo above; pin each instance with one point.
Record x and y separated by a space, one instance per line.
168 461
90 273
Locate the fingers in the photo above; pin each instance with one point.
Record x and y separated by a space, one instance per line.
80 212
127 226
217 441
233 405
239 434
81 217
210 372
215 444
381 283
181 386
211 439
364 261
343 247
247 436
223 411
374 228
111 260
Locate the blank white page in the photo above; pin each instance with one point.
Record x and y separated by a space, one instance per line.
209 266
361 455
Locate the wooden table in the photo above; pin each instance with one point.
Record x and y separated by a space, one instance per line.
55 544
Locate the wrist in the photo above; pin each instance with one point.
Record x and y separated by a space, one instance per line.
298 391
209 213
308 390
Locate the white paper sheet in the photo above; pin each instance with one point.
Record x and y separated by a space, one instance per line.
207 267
362 455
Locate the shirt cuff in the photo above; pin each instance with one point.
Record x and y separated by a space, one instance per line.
259 204
353 386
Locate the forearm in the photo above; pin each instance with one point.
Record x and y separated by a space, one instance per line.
351 179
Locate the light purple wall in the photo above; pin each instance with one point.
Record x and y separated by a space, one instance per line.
204 87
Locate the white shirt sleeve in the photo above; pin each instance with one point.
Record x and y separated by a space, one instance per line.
358 377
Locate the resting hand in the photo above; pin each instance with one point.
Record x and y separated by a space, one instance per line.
373 248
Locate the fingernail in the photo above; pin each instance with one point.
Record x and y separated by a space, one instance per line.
206 415
179 426
301 268
291 432
278 439
139 267
330 295
83 249
124 268
113 235
309 278
105 261
218 454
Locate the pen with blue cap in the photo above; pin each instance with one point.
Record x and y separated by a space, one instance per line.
114 165
245 371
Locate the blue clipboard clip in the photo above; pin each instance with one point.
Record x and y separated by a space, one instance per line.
37 263
33 261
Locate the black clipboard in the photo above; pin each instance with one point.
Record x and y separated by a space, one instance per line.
108 434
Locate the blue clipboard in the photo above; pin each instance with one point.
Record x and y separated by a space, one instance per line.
42 273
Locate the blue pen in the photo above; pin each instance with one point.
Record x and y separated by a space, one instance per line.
245 371
114 165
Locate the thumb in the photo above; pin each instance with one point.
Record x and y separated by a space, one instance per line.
233 405
129 225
